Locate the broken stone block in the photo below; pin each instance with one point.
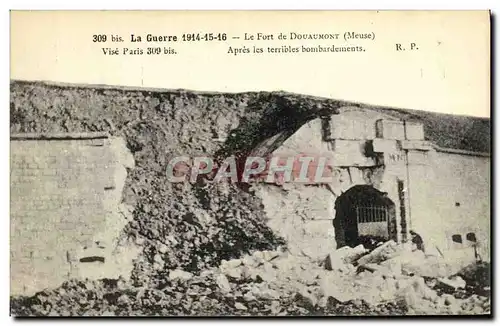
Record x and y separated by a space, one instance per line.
248 260
249 297
180 274
264 292
369 267
223 283
229 264
332 263
306 299
270 255
336 291
245 272
240 306
235 273
258 255
451 284
355 253
449 300
163 248
158 259
268 273
386 251
392 265
430 295
411 297
275 307
344 255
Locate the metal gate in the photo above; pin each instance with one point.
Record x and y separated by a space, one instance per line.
373 221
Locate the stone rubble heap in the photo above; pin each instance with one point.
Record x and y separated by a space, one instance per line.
350 281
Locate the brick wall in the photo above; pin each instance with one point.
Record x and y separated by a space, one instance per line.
58 190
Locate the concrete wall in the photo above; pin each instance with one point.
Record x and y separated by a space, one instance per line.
451 195
303 214
423 184
65 205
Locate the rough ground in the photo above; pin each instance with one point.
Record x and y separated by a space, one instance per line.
266 283
192 229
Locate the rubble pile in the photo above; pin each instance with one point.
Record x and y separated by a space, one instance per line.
267 283
189 226
394 273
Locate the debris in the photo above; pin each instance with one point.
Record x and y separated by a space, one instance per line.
249 261
233 263
163 248
223 283
240 306
331 289
344 255
270 255
386 251
451 284
180 274
306 299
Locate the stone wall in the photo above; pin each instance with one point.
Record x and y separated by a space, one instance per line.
65 206
303 214
435 193
451 195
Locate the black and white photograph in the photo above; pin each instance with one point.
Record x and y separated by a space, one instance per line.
343 170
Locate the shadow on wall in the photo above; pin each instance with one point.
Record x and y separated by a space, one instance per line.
276 118
278 114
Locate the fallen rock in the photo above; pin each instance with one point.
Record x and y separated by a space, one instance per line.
180 274
245 272
451 284
223 283
270 255
368 267
430 295
240 306
411 298
275 307
344 255
355 253
449 299
339 292
264 292
258 256
158 259
249 261
386 251
249 296
230 264
393 266
306 299
163 248
235 273
267 272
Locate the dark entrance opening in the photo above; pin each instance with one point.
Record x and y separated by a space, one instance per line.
365 216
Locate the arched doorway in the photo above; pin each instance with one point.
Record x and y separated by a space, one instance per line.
365 216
